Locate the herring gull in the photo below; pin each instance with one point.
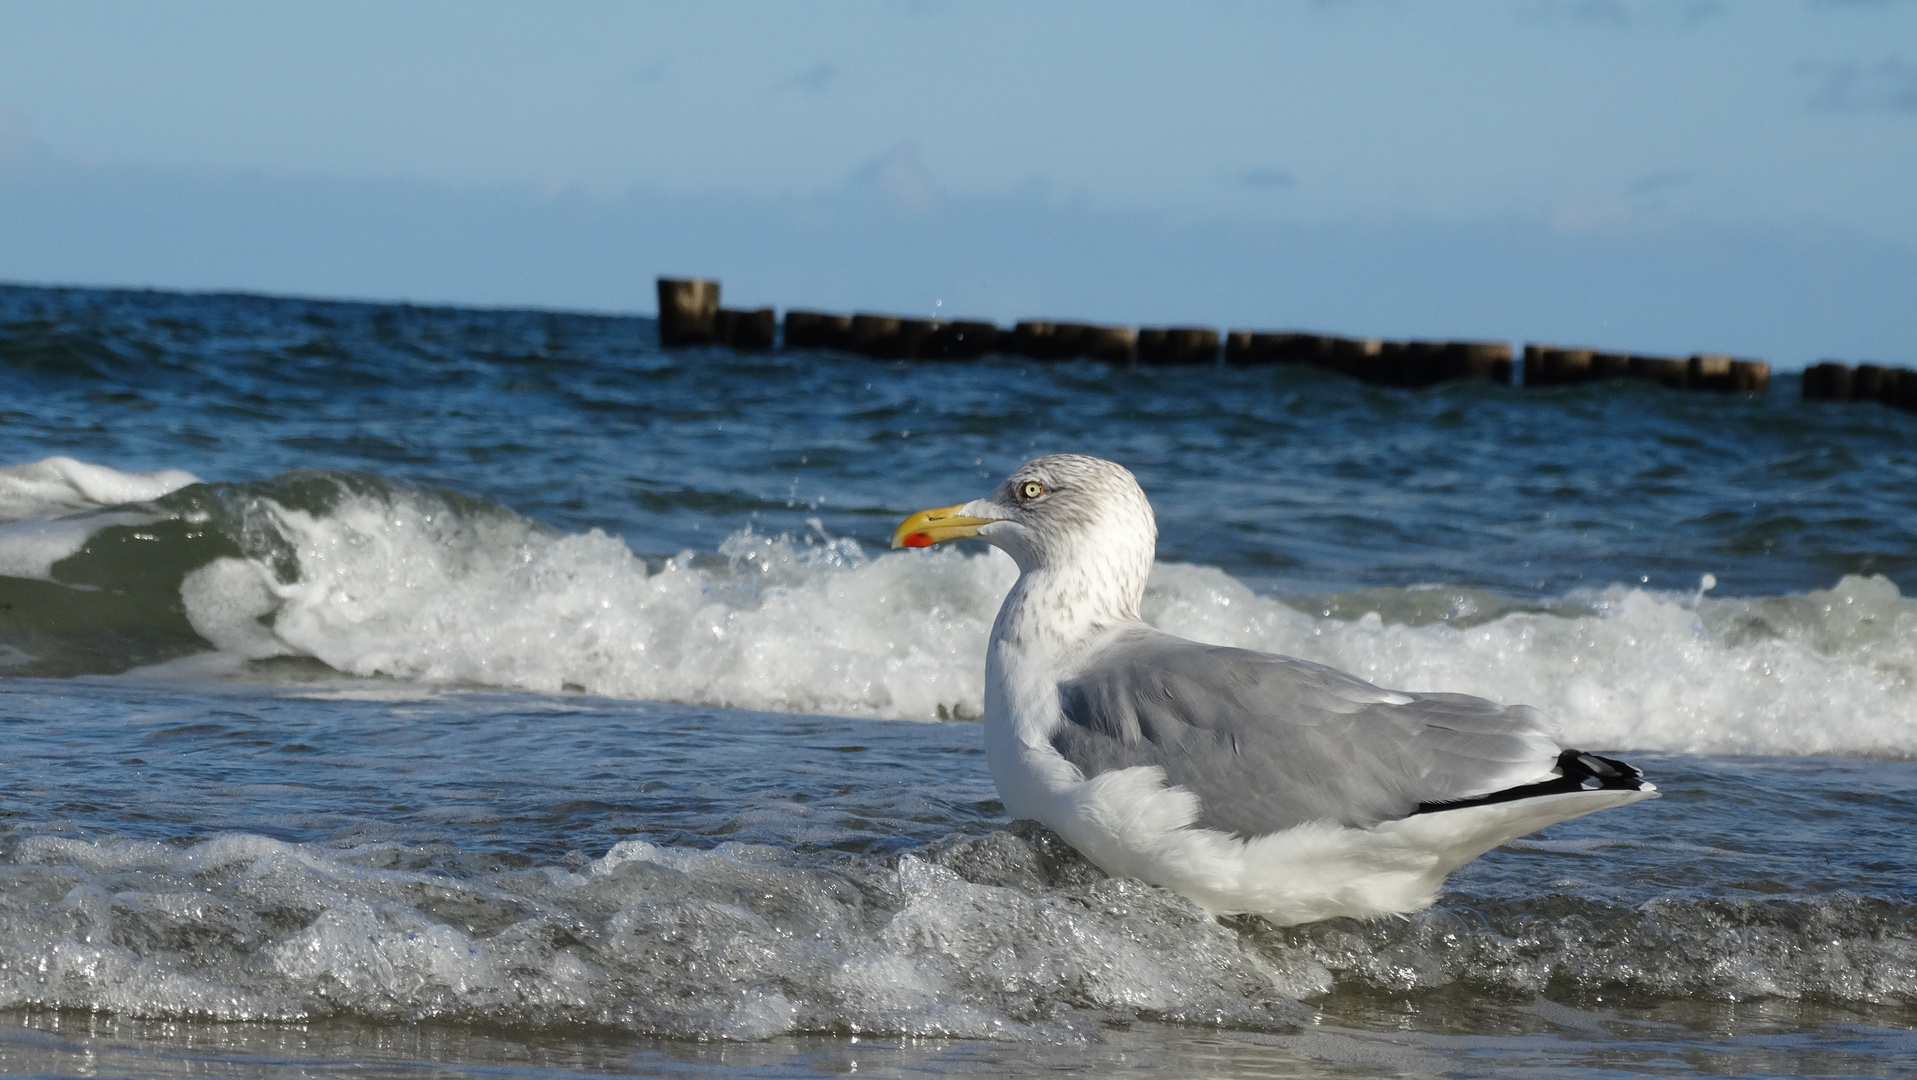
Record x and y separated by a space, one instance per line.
1245 781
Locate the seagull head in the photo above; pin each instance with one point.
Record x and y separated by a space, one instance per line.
1061 512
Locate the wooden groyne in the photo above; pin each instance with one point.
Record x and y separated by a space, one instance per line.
1833 380
689 314
1551 365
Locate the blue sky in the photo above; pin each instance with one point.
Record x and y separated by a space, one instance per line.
1668 176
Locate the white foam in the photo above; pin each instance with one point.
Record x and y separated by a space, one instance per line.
36 499
225 600
60 485
1831 672
742 942
384 590
399 586
749 942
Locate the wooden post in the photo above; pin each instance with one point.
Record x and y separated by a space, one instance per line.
1247 348
1813 382
1240 351
1421 363
1537 372
817 330
1194 344
688 308
1318 350
746 331
1897 382
1867 382
1827 381
1033 338
1553 366
1838 378
1534 374
1151 345
1664 370
961 340
1394 364
1890 384
1112 344
1750 376
1572 365
1479 360
1610 365
1569 365
1043 339
1710 371
1068 340
1904 394
876 336
1171 346
914 336
1357 357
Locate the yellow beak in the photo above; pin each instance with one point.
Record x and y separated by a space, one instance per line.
928 527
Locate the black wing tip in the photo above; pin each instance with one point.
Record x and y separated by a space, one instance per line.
1595 772
1577 771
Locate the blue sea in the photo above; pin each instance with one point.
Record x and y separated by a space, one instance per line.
403 691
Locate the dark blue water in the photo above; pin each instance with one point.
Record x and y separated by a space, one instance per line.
1289 478
510 695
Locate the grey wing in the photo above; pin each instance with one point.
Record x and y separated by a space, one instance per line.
1269 742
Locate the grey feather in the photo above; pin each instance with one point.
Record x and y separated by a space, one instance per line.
1269 742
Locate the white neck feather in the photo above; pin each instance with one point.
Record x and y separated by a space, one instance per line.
1054 613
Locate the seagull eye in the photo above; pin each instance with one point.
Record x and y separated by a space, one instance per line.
1031 489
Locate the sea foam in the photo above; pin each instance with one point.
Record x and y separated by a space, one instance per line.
37 497
378 578
401 586
741 942
1007 935
61 485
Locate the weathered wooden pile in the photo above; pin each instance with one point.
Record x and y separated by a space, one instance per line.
689 314
1548 365
1832 380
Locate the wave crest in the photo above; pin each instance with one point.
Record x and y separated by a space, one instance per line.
377 578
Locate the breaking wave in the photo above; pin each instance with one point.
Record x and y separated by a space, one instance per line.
1005 936
373 577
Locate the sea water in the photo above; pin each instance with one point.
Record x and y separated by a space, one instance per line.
391 689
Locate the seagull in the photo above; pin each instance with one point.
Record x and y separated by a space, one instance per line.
1247 782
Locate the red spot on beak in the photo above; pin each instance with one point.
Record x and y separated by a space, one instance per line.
917 540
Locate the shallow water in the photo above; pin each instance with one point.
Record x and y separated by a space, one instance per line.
513 695
517 870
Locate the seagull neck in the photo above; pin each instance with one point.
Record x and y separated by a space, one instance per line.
1058 610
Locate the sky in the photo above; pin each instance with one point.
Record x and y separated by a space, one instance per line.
1668 176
